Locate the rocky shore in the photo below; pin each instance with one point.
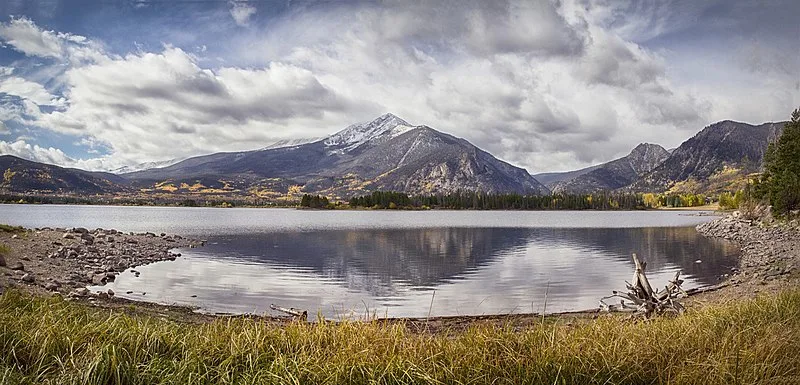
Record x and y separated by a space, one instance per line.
770 254
67 260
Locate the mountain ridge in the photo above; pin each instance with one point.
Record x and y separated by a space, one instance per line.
388 153
26 176
385 153
617 173
721 145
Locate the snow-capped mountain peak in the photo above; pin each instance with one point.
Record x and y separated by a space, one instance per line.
145 166
385 127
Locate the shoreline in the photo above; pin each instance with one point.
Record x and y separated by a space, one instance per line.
769 259
705 208
65 261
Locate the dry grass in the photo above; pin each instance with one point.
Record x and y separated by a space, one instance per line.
48 340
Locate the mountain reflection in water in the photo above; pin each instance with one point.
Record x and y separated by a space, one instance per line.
394 271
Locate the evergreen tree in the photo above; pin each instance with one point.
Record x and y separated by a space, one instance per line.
782 163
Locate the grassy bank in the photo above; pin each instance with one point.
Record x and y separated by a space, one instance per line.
47 340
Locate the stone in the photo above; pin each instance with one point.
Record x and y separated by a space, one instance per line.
28 277
99 279
17 266
52 286
68 236
80 230
110 293
2 261
81 292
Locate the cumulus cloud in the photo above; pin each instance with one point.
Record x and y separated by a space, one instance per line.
51 155
27 38
26 89
22 149
150 105
241 12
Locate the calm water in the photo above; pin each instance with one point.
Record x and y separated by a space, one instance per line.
349 263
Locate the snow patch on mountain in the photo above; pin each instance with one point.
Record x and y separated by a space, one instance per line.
291 143
383 128
145 166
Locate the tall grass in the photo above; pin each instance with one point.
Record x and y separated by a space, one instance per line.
11 229
49 341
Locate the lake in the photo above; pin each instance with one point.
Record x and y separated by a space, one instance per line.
396 263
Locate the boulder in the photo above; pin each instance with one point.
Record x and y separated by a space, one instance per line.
82 292
80 230
99 279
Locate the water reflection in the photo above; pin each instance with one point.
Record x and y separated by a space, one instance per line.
473 270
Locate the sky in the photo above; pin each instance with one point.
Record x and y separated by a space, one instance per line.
545 85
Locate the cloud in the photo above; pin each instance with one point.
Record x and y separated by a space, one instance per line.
25 36
547 85
150 105
241 12
22 149
26 89
51 155
521 91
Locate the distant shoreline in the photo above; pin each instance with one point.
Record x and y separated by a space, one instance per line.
705 208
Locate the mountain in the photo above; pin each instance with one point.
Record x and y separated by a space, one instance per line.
616 173
145 166
726 147
550 179
24 176
387 153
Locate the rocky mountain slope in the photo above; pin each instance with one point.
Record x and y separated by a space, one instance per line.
387 153
617 173
24 176
551 179
726 145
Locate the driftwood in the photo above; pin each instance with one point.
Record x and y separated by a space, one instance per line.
296 313
642 299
